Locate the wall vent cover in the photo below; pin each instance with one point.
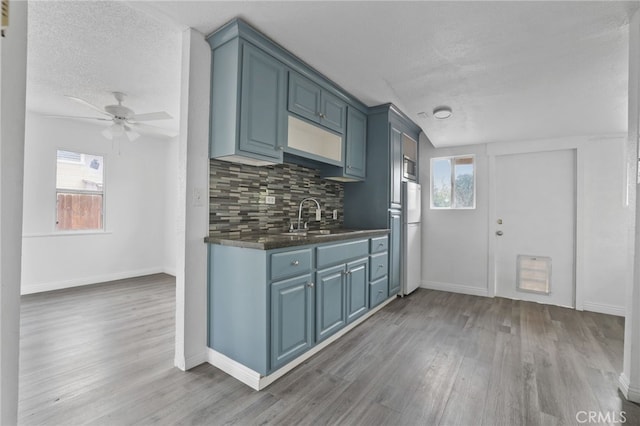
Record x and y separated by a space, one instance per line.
534 274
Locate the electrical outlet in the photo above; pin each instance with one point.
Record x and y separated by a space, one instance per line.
335 214
318 214
270 199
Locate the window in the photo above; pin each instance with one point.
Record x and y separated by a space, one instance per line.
79 191
453 182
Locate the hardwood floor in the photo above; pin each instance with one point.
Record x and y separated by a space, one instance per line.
103 354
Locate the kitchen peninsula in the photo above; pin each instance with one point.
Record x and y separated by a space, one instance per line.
275 300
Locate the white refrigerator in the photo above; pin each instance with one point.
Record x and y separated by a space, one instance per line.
411 237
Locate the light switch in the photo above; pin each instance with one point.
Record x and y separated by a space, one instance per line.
197 197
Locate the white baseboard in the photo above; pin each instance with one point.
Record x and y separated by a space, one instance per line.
254 380
455 288
59 285
169 271
602 308
188 363
234 369
632 393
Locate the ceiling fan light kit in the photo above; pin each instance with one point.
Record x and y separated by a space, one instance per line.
125 121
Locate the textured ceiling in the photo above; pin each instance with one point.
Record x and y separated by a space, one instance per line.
89 49
509 70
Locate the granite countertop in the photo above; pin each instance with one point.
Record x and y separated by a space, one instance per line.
270 241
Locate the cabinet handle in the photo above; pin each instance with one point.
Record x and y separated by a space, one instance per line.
381 245
321 115
381 266
349 167
310 285
379 291
295 263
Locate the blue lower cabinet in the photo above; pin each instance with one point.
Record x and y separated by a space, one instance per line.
291 319
266 315
330 301
357 289
395 247
378 291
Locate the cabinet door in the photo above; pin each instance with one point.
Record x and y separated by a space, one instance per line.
291 319
263 117
330 301
355 158
396 167
357 288
304 97
333 112
395 251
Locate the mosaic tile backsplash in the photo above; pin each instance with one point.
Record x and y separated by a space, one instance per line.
237 197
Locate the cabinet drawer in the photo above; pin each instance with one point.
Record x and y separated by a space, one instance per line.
290 263
379 265
378 292
340 253
379 244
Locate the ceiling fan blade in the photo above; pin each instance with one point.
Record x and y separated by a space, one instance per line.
74 117
158 131
90 105
160 115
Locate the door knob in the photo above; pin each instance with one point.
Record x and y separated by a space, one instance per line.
499 233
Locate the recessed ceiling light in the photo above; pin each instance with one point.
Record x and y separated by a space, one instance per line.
442 112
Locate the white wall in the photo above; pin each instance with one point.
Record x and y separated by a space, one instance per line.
13 72
605 228
171 207
456 244
193 213
629 381
137 197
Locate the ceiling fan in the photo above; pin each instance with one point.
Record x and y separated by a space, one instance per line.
125 121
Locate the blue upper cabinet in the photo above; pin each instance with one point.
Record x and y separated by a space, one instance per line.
304 97
396 167
248 105
258 88
333 112
367 203
310 101
355 155
263 121
355 158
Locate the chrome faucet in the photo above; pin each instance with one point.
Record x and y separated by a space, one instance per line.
300 211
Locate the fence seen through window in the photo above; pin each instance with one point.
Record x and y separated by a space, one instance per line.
79 191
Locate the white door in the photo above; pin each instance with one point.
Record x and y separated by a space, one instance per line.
534 227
